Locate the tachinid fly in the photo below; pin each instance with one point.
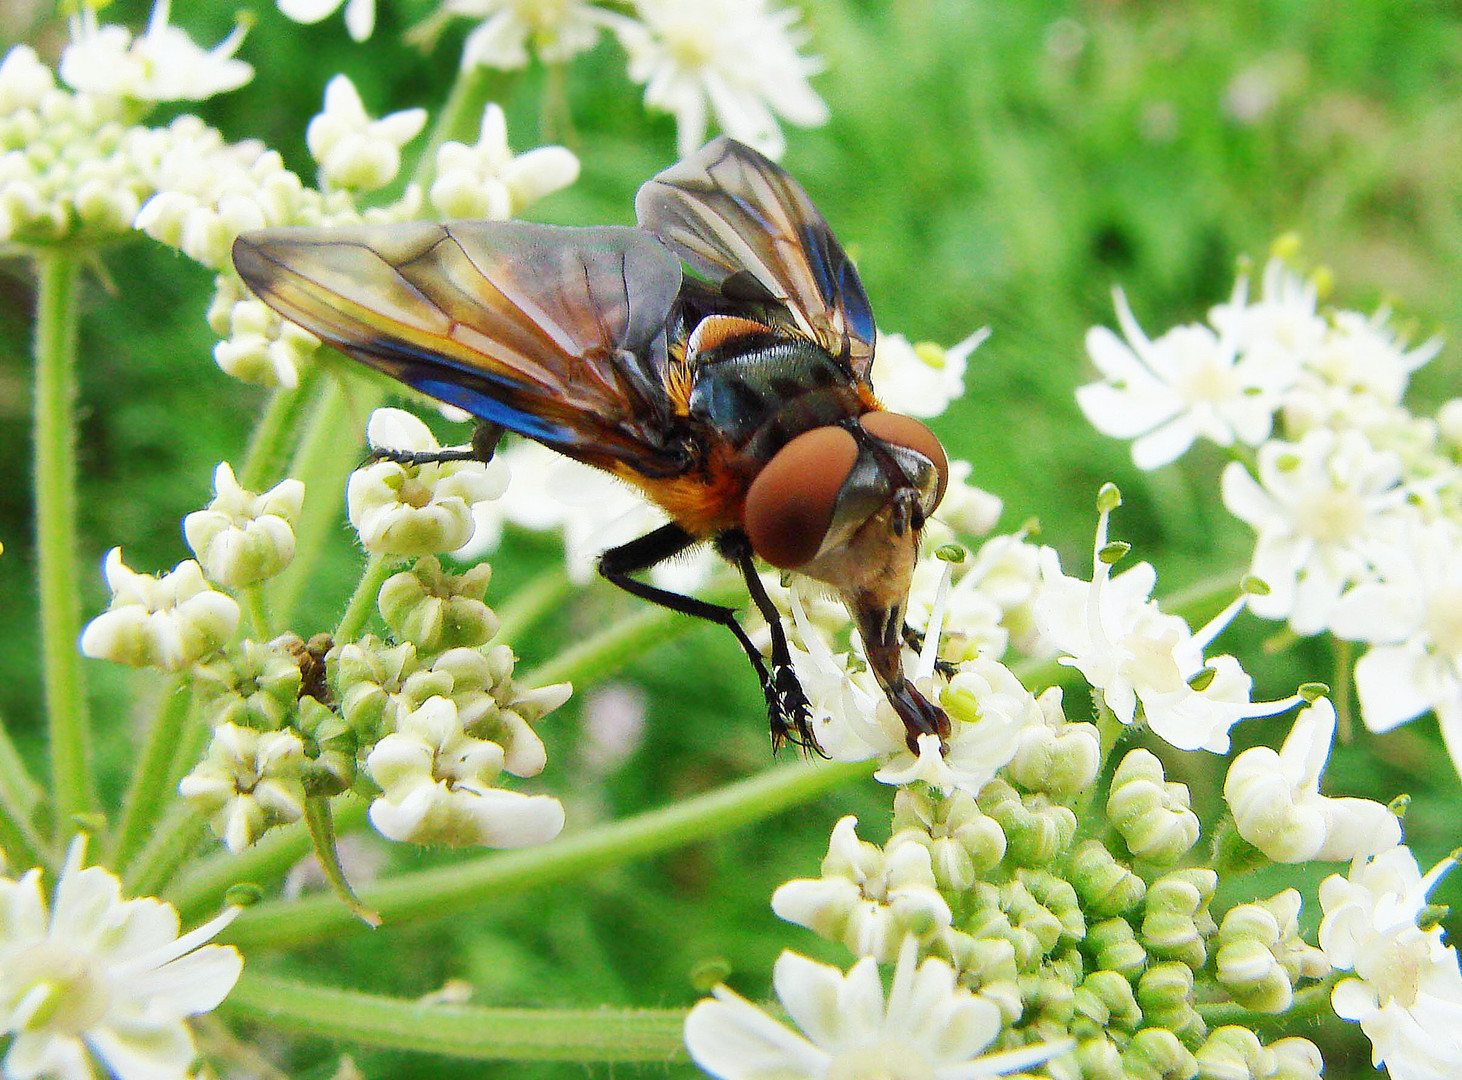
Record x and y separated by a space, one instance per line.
736 397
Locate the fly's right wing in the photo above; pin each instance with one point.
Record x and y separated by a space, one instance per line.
747 226
555 333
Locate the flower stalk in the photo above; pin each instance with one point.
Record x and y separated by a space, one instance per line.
149 791
56 549
484 1034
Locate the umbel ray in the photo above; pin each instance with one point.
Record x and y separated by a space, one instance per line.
736 397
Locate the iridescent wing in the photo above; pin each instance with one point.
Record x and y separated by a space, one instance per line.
555 333
740 220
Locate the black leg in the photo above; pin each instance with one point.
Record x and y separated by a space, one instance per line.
791 712
617 564
914 639
485 437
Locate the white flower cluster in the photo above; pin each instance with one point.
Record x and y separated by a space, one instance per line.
1354 500
94 976
740 61
74 166
210 191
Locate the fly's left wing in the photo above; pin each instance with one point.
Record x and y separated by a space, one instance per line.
740 220
555 333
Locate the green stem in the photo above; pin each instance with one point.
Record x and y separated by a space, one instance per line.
149 790
322 833
1216 591
18 789
269 445
462 886
577 1035
202 888
169 846
1309 1003
612 648
55 492
18 840
252 597
328 450
1341 695
363 601
528 604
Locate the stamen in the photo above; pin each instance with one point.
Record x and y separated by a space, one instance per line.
925 668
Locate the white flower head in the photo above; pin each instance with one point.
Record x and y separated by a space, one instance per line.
927 1027
1412 615
162 65
168 622
360 15
732 58
868 898
1315 505
97 976
1190 382
251 780
1406 992
436 783
557 30
1277 805
416 509
921 379
1111 631
487 180
1280 328
243 538
354 151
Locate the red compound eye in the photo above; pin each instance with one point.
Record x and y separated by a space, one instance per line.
789 505
911 434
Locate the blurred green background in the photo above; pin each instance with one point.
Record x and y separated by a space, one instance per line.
986 163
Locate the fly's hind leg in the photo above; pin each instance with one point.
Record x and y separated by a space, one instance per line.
485 437
787 704
618 564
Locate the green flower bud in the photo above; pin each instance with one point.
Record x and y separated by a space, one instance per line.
1156 1054
1099 1059
366 677
1152 814
330 749
1058 897
1165 992
251 781
981 962
1235 1053
1294 1059
1113 946
1050 997
962 841
1036 830
1060 759
1106 886
1029 916
1260 953
436 611
1176 919
250 685
1106 998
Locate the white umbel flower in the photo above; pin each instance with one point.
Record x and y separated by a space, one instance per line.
162 65
486 180
167 622
416 509
250 780
928 1027
1189 383
360 15
732 58
436 787
97 976
921 379
557 30
243 538
1315 505
1412 615
354 151
1277 805
1406 992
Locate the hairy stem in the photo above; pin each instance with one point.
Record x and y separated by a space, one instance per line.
149 790
577 1035
55 492
437 893
363 601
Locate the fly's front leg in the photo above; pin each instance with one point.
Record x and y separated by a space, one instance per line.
485 437
914 639
617 564
787 705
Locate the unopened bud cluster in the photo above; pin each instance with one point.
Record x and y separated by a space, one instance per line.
1103 934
